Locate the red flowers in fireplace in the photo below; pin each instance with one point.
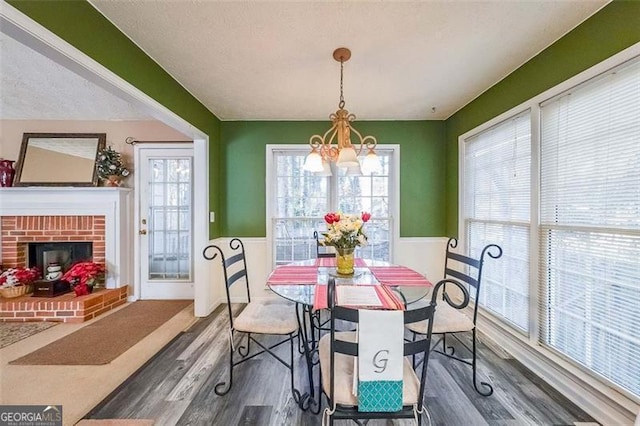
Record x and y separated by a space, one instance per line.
83 276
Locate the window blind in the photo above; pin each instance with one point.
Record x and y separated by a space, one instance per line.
497 194
590 225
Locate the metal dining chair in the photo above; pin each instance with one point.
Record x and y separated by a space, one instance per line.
450 319
322 251
337 350
268 317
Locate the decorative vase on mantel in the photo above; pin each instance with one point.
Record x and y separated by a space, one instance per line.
344 260
6 172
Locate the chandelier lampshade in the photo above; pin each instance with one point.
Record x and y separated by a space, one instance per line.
326 169
354 170
313 163
371 163
347 157
335 144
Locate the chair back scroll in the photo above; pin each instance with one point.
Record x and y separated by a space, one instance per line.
470 271
320 253
229 265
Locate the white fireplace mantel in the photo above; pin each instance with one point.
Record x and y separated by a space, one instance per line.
113 203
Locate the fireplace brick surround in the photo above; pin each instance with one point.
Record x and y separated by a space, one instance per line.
18 231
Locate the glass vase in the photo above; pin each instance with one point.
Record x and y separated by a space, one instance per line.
344 260
6 172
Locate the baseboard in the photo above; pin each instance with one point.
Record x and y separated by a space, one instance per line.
216 303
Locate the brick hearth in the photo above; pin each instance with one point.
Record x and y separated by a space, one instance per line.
65 308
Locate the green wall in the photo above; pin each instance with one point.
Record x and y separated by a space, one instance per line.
429 163
81 25
612 29
422 166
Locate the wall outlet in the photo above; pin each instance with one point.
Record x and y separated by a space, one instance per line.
212 217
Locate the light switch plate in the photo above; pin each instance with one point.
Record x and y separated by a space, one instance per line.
212 217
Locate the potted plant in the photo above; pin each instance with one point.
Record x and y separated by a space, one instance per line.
83 276
18 281
111 167
345 232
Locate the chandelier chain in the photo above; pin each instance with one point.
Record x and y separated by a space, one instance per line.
341 103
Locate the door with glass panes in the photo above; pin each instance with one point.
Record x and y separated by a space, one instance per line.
165 197
300 199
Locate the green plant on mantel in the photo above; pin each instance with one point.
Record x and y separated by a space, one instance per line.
110 163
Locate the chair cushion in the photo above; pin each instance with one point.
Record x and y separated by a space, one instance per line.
344 373
447 320
267 317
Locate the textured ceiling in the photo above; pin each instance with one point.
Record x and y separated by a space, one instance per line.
272 60
33 87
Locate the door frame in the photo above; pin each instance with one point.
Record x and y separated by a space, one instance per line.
22 28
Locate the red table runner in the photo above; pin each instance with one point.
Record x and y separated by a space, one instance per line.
399 275
288 274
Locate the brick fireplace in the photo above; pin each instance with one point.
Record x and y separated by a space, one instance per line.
101 216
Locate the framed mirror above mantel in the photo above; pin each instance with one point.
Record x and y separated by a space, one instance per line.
59 159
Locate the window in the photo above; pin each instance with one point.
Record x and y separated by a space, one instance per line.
497 180
590 225
586 224
298 200
301 200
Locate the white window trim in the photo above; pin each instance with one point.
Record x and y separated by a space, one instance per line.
270 190
608 404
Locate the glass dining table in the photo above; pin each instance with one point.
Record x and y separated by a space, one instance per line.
305 283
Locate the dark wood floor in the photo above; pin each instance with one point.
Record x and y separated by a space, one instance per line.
176 388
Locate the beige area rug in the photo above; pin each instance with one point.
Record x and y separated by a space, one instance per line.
12 332
104 340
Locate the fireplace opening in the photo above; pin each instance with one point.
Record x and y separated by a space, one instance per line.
65 254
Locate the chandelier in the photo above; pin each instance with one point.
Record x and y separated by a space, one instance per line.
343 152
